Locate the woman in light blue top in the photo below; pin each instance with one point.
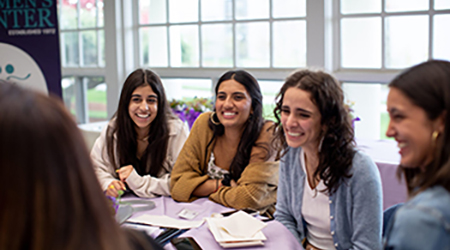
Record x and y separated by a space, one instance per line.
329 194
419 106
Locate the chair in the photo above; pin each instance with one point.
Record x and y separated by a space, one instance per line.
388 215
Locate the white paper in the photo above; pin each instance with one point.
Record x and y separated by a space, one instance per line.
165 221
223 237
241 225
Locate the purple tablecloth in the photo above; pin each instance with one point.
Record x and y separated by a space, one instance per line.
277 235
385 154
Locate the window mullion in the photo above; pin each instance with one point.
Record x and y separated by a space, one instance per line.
169 59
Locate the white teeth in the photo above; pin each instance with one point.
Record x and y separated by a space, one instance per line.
401 144
293 134
143 116
228 113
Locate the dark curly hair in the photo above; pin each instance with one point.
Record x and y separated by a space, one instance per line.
338 147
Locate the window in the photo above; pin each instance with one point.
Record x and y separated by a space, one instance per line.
190 43
376 40
222 33
83 47
392 34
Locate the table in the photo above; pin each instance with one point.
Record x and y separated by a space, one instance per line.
277 235
385 154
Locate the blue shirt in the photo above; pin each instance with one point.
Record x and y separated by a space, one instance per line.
355 208
421 223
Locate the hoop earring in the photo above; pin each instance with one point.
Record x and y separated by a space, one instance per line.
434 136
211 117
320 143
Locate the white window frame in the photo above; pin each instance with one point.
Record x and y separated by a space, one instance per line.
382 75
121 26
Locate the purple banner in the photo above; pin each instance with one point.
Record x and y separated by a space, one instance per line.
29 44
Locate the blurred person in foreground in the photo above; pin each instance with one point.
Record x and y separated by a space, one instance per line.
50 197
419 104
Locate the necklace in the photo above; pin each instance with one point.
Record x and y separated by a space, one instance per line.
143 139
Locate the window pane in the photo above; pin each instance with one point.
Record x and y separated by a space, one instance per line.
152 11
68 16
288 8
68 93
153 42
101 15
252 44
368 102
184 46
441 4
70 49
289 44
217 10
269 90
89 43
96 97
88 14
441 39
406 5
406 40
101 45
181 11
217 45
187 88
358 6
361 42
251 9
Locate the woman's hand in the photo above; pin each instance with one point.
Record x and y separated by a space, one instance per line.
113 187
124 172
233 183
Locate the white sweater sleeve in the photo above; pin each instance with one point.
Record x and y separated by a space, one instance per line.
104 169
147 186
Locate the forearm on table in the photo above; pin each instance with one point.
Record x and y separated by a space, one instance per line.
206 188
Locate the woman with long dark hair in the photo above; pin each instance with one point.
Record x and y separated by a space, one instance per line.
227 156
142 141
329 194
50 197
419 106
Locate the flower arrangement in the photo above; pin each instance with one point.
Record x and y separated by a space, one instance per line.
349 107
189 110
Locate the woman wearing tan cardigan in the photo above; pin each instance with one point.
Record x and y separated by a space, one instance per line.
227 156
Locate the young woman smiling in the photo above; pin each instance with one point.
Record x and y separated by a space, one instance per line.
329 194
227 156
139 146
419 104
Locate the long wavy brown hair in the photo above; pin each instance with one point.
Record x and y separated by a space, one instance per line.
154 157
427 86
50 198
338 147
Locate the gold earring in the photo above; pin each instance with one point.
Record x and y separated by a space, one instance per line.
212 118
434 136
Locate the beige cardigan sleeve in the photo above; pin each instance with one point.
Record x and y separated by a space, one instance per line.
188 172
255 189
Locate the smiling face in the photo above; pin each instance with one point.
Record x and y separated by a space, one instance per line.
411 128
233 104
143 108
300 118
